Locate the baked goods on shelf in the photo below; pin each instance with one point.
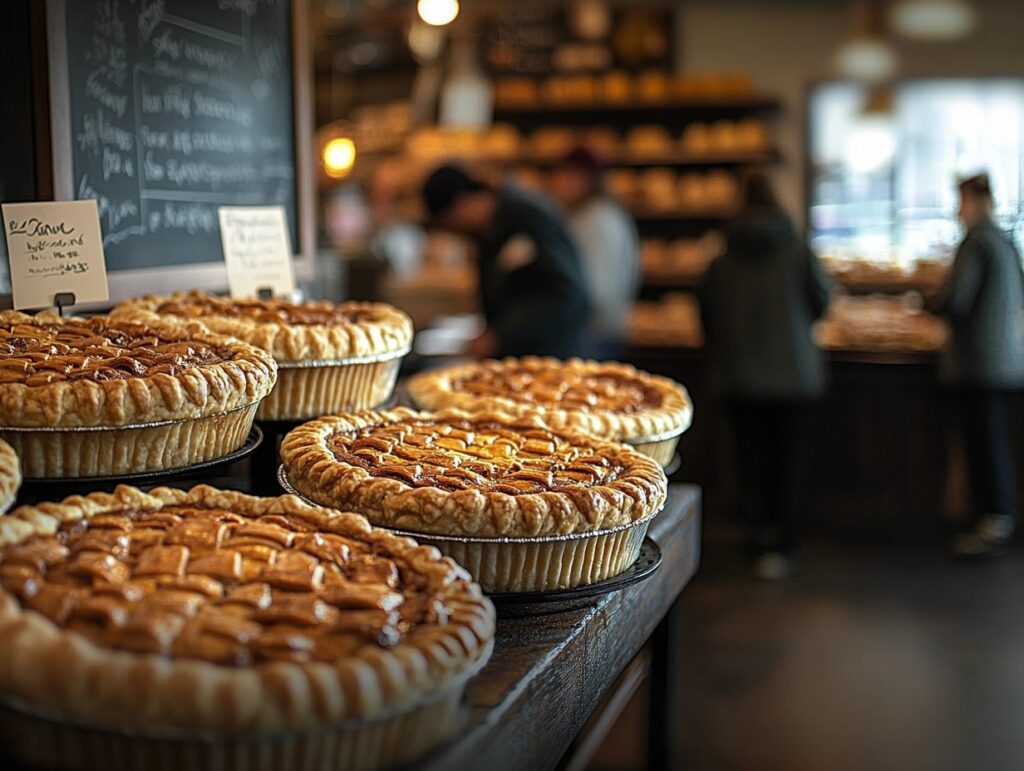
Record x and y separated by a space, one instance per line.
10 476
222 630
522 506
104 396
862 275
649 141
683 260
880 324
330 356
607 399
673 321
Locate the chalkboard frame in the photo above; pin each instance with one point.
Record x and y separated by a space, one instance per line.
210 276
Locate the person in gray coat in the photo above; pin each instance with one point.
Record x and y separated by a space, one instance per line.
758 302
983 300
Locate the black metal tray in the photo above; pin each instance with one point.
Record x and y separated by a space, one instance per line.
518 604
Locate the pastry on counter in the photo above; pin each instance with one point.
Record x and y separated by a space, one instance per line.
330 356
108 396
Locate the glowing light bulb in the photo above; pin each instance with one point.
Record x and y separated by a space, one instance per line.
339 155
438 12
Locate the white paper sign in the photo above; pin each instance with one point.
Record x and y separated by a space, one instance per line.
55 247
257 250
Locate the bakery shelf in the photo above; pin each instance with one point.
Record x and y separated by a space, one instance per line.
676 111
676 160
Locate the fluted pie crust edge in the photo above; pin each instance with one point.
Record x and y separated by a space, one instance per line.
57 670
315 472
288 343
10 476
438 389
196 392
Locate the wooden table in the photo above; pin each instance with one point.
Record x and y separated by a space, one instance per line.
549 673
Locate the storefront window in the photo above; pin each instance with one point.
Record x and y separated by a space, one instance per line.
883 181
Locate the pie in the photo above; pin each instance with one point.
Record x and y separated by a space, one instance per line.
95 397
10 476
231 619
331 357
608 399
487 477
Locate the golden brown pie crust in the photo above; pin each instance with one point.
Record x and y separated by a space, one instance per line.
62 373
212 610
479 474
332 357
608 399
291 332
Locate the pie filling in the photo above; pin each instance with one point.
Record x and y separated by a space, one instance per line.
461 454
91 350
273 311
206 583
562 389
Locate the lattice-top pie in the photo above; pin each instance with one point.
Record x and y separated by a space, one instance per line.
479 474
215 610
608 399
332 356
291 331
67 384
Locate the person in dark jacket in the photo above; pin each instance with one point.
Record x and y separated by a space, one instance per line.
983 300
532 287
758 302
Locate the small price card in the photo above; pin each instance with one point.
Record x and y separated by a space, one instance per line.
257 250
55 247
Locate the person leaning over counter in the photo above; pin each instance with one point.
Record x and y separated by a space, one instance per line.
758 302
983 299
608 242
532 288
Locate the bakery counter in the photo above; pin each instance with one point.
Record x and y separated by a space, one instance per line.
549 673
882 447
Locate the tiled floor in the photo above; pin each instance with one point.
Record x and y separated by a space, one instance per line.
868 659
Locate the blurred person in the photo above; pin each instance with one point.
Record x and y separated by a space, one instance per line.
758 302
532 289
983 300
609 246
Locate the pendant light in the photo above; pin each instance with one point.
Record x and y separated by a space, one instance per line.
867 55
932 19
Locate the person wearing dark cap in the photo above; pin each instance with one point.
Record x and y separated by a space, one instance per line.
607 239
533 292
983 300
758 302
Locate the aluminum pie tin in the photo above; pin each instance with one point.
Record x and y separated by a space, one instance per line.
126 427
370 359
671 433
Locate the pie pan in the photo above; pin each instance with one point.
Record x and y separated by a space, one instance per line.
393 740
661 447
533 564
309 389
165 445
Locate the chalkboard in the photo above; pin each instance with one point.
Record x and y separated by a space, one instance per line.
174 108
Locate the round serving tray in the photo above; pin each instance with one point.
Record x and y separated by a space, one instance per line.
518 604
252 442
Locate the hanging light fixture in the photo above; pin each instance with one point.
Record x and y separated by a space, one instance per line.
932 19
338 157
867 55
438 13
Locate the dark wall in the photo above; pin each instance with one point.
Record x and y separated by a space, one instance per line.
17 124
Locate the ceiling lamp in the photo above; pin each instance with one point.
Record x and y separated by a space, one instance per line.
438 12
866 54
339 156
932 19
